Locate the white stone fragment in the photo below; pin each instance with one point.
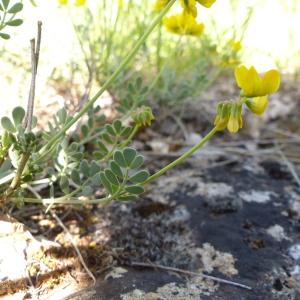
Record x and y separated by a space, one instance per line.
277 232
294 251
256 196
116 273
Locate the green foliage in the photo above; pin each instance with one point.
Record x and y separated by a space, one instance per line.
112 169
169 71
8 12
79 165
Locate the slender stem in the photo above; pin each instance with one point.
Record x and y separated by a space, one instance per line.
182 157
158 48
2 25
186 272
64 200
90 138
112 78
17 179
131 136
73 200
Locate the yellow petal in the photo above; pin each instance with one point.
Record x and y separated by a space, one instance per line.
233 124
258 105
184 24
241 122
241 76
244 79
206 3
189 7
236 46
254 83
160 5
249 81
271 82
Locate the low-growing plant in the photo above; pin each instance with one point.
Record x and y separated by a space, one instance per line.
67 171
176 61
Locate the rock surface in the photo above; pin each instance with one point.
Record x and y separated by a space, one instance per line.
233 222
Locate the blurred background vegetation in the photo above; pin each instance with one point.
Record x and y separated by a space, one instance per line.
82 46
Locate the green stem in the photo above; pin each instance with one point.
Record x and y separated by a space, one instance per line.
131 136
110 80
182 157
90 138
2 25
63 200
158 48
17 179
73 200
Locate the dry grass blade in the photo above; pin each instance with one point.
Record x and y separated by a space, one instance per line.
190 273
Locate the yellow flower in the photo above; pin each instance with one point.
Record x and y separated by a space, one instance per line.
235 45
206 3
80 2
160 4
258 105
121 4
189 7
253 85
184 24
77 2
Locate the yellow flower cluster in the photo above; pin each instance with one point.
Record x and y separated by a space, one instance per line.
184 23
77 2
190 6
254 94
229 114
160 4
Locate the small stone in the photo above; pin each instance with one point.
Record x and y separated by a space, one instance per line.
256 196
277 232
294 251
116 273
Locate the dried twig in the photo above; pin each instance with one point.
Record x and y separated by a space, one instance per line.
35 54
286 133
74 245
290 166
190 273
61 224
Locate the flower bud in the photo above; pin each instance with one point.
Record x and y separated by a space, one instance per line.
143 116
229 114
222 117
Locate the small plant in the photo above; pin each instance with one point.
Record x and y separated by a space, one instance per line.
178 62
58 161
